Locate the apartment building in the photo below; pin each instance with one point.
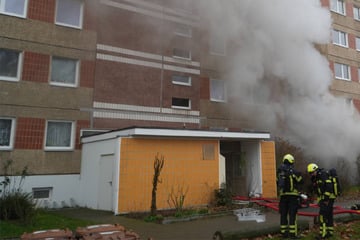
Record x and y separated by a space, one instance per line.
344 51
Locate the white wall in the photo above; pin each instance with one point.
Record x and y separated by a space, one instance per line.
90 172
64 189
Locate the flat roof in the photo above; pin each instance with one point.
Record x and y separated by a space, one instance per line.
174 133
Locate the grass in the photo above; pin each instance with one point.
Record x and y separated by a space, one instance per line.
43 220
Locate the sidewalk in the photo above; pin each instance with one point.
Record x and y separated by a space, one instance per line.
201 229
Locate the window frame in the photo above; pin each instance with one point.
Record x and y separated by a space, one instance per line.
19 66
342 65
335 6
357 43
49 189
76 77
183 30
188 83
12 133
217 40
181 107
3 11
81 16
224 93
60 148
356 11
180 56
340 36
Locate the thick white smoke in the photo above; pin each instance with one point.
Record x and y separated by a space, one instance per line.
277 67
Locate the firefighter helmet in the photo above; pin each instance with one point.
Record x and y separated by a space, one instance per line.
289 158
312 167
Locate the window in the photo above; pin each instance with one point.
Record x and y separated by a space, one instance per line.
69 13
42 193
181 80
342 71
14 7
181 53
10 62
183 103
208 151
359 74
358 43
183 30
64 71
338 6
7 126
217 44
217 90
340 38
356 13
59 135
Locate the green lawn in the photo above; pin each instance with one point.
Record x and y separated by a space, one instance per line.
43 220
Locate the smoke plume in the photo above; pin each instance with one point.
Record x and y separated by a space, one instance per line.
277 68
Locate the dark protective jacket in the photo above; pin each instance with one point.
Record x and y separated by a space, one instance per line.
288 180
323 185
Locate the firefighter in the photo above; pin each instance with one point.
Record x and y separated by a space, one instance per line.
288 182
323 186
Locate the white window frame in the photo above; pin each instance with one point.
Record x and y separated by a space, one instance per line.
217 97
217 45
76 77
338 6
181 107
186 82
12 134
49 189
343 69
183 30
60 148
340 37
81 15
3 9
182 57
19 64
357 43
356 13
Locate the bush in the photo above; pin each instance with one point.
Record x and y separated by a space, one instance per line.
14 203
17 206
223 196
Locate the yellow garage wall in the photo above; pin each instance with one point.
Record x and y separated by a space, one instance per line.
184 168
268 166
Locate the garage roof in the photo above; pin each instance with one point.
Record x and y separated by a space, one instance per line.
174 133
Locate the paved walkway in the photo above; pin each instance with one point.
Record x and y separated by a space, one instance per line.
201 229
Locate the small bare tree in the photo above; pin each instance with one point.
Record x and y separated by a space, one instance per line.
158 166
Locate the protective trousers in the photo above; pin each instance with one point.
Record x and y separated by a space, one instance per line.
288 208
326 218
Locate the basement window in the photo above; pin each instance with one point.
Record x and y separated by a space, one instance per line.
42 193
182 103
